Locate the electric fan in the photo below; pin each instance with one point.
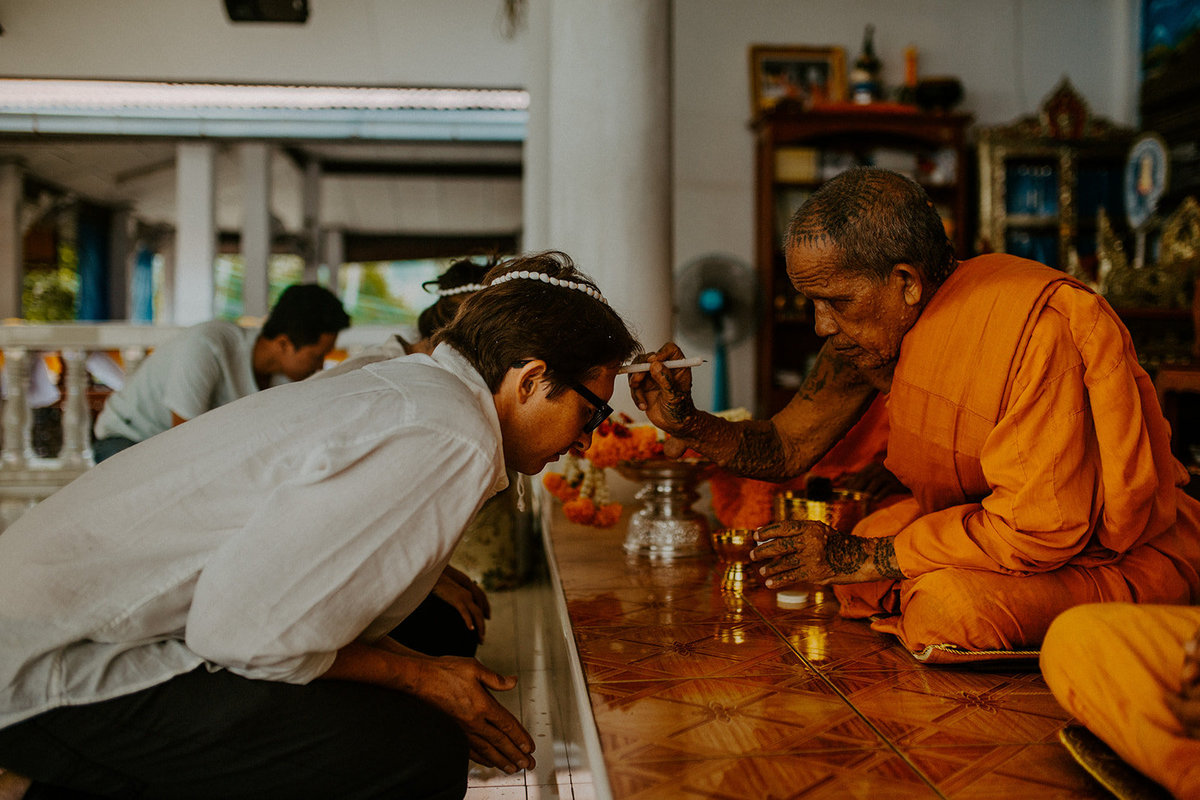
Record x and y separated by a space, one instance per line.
719 306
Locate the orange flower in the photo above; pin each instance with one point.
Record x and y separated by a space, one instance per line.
581 510
607 515
741 502
644 439
556 483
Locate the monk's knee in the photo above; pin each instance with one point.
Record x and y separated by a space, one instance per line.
951 606
1075 633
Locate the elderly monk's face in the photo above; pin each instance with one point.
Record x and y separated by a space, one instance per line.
864 320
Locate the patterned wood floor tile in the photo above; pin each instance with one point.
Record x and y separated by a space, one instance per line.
701 692
1033 771
867 774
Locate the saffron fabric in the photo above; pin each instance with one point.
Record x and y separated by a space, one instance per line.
863 445
1039 463
1111 665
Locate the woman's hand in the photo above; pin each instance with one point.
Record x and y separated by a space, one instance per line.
460 687
875 482
457 589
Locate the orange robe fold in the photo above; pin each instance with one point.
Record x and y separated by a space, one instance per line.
1111 665
1039 463
863 445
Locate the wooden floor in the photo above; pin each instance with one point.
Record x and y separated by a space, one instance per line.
702 689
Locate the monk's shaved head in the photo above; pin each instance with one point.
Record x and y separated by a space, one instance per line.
875 219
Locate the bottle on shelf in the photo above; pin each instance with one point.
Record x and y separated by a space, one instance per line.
864 78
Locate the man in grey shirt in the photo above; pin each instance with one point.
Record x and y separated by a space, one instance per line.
214 363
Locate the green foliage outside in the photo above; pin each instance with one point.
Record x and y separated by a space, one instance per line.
374 303
229 276
49 294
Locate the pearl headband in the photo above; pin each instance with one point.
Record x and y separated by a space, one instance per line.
468 287
539 276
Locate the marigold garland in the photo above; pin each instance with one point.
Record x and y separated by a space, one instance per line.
583 488
744 502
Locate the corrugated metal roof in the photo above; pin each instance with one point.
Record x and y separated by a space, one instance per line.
267 111
21 94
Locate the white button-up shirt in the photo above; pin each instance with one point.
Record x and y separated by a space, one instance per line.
260 537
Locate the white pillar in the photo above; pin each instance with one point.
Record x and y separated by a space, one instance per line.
195 231
12 239
312 220
16 419
164 312
256 227
1126 20
535 180
333 246
120 264
609 136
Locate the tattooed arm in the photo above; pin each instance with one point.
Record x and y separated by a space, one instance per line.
832 399
813 552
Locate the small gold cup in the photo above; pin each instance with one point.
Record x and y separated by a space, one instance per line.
733 546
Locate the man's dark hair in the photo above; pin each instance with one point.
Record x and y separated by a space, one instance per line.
463 272
573 332
875 219
303 313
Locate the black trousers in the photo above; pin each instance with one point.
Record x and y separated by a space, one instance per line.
110 446
216 735
436 628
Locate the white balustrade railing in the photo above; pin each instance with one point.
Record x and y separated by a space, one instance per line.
26 478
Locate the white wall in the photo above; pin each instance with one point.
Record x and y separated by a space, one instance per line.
376 42
1009 54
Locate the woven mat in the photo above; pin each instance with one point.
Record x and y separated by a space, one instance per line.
1109 770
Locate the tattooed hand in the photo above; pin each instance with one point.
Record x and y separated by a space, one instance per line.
665 394
813 552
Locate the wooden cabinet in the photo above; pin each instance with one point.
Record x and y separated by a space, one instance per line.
1044 178
799 150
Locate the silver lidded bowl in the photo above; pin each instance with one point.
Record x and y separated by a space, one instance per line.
666 526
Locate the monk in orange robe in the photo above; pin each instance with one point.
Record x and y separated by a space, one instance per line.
1131 674
1031 440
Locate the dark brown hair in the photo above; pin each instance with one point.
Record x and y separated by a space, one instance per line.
461 273
875 219
303 313
573 332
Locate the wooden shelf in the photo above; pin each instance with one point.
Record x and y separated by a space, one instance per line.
1075 148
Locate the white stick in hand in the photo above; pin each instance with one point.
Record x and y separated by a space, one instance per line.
678 363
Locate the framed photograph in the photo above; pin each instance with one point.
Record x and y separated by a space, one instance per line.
808 76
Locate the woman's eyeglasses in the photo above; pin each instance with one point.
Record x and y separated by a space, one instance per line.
603 410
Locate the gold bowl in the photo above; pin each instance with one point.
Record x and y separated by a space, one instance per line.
842 511
733 544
